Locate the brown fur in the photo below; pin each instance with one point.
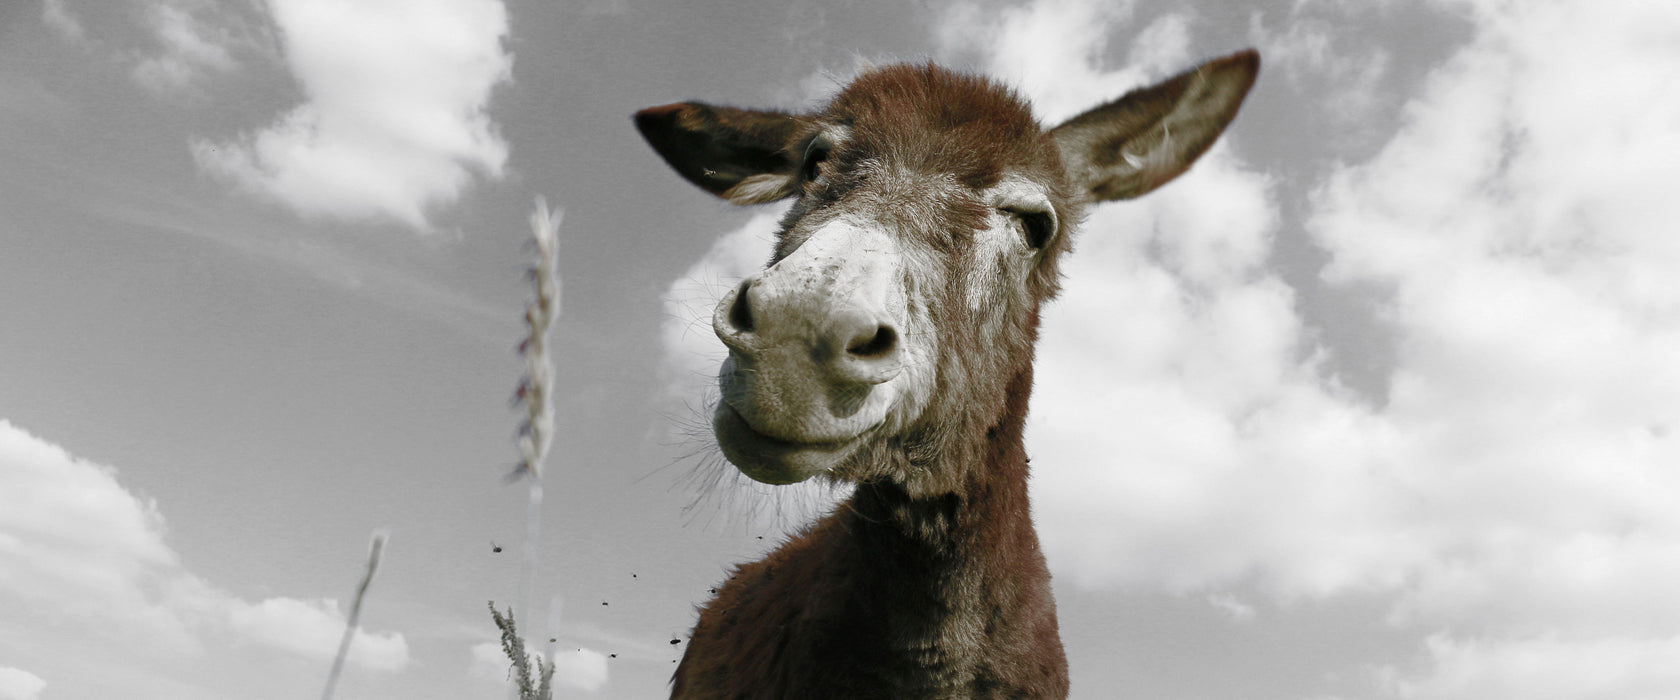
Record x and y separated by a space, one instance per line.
929 582
894 597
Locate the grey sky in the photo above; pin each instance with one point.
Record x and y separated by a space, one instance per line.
1380 401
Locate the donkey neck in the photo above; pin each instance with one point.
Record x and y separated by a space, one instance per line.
989 513
896 595
958 568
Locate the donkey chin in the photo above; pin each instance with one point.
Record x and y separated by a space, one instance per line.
774 460
779 423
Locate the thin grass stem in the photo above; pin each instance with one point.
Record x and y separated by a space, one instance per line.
376 549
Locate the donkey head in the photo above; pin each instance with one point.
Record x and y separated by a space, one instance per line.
898 312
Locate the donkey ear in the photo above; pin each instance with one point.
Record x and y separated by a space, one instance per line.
1141 141
738 154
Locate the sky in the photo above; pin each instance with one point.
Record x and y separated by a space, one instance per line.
1380 401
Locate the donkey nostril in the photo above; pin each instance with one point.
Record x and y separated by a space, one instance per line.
877 345
740 312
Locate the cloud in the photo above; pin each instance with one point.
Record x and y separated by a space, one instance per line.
1181 439
314 629
485 660
580 669
73 540
81 557
1518 220
18 684
395 119
1053 50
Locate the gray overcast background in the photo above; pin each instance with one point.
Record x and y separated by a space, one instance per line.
1380 401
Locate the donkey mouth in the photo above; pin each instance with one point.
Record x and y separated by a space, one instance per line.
774 460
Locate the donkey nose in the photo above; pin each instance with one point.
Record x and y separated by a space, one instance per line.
859 346
735 320
848 342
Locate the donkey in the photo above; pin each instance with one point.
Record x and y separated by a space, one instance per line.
889 343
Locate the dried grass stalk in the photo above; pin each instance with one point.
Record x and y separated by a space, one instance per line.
536 430
376 549
529 688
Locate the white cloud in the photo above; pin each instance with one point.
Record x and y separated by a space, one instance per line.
1052 50
18 684
485 660
1179 439
1161 47
82 558
395 119
580 669
73 540
1520 219
314 629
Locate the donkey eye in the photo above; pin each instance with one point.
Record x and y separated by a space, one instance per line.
1037 227
815 154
